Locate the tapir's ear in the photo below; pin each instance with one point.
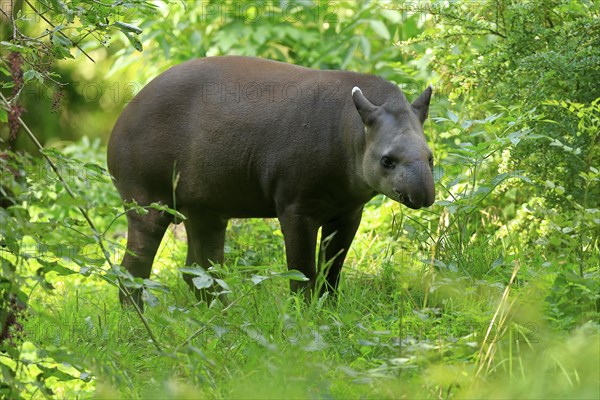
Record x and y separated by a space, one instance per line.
421 105
367 111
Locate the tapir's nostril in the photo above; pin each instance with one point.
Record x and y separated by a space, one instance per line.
406 199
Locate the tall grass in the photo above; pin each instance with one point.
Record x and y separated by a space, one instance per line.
397 329
431 305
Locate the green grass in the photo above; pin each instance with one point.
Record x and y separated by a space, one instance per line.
432 304
398 329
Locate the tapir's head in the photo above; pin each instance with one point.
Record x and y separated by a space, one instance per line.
397 161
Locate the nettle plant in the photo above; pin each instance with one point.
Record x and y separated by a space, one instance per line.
43 236
573 230
476 183
495 212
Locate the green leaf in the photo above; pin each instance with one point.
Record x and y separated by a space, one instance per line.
135 283
203 282
94 167
393 16
54 373
123 27
55 267
31 74
438 172
380 29
194 270
349 54
293 275
9 46
453 117
60 40
59 7
500 178
223 284
66 200
149 284
149 298
366 47
3 115
257 279
161 207
135 42
436 263
498 262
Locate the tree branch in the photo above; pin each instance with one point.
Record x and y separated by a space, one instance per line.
60 33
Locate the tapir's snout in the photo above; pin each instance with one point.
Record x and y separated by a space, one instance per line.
416 189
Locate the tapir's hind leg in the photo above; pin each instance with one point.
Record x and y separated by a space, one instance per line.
206 242
300 236
144 233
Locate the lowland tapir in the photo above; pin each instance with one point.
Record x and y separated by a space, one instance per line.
238 137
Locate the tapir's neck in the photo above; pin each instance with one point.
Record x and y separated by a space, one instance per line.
354 130
355 146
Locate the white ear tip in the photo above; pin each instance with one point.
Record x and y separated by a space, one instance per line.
430 86
356 89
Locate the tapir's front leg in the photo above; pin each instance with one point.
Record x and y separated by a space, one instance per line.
336 238
300 235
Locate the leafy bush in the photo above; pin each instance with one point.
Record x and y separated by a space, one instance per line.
526 54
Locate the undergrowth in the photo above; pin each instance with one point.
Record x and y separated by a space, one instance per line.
432 303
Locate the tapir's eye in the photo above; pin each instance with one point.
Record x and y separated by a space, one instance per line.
431 161
387 162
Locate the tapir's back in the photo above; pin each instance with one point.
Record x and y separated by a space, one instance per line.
237 131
